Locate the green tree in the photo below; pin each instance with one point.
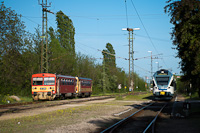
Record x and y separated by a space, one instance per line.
85 66
66 32
185 16
36 52
110 67
57 54
15 48
65 35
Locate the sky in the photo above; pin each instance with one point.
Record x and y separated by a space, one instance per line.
98 22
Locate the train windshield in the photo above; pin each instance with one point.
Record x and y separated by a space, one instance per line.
37 81
162 80
49 80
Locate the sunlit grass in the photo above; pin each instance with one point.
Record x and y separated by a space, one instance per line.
138 97
6 99
46 120
194 96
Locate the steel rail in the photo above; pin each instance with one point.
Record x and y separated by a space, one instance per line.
125 118
153 121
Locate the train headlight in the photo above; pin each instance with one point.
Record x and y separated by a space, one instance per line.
51 88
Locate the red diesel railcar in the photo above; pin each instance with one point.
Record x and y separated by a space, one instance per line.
49 86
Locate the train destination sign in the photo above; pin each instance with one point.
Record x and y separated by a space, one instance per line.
162 72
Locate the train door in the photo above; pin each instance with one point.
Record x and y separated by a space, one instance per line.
58 86
78 85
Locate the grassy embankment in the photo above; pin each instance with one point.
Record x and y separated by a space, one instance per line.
5 99
69 116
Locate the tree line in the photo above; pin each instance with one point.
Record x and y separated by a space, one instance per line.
185 16
20 57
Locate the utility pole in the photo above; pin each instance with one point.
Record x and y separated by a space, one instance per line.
152 63
104 75
131 60
158 65
44 45
131 65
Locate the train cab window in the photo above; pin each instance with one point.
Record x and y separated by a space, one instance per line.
162 80
49 81
153 83
37 81
173 83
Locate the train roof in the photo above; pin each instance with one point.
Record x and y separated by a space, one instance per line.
84 78
43 75
162 72
65 76
59 75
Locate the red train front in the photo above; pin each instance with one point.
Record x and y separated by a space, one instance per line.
43 86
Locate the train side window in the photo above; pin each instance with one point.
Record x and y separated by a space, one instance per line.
62 81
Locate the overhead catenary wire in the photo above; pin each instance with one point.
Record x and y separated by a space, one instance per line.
147 32
126 13
115 56
106 35
144 27
30 20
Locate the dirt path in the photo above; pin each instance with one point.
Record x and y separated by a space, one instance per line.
32 112
87 117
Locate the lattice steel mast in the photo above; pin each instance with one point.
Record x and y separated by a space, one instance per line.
44 44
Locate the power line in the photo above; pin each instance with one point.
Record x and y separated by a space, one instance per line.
153 38
126 13
31 20
144 27
146 31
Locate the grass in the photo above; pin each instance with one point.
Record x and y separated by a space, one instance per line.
119 97
51 120
108 94
69 116
194 96
140 97
5 99
39 123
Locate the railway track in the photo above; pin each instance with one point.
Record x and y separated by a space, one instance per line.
11 108
142 120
